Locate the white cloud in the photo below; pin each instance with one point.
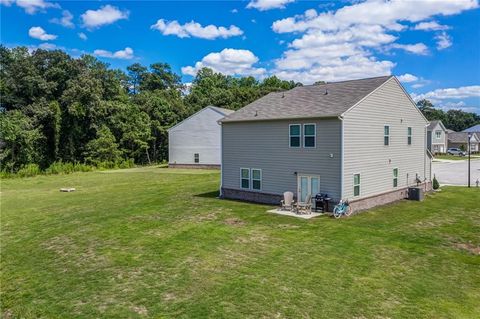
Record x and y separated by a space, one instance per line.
407 78
105 15
462 92
417 48
430 26
194 29
31 6
443 40
125 54
65 20
229 62
82 36
234 11
39 33
263 5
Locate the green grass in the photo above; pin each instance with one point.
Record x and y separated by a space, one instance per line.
154 242
455 157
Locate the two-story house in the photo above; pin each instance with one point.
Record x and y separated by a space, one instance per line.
437 137
361 140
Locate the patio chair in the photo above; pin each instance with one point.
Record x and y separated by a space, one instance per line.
287 202
305 207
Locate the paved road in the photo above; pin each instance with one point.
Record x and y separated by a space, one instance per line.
456 173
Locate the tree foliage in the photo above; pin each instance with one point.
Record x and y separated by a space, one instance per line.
456 120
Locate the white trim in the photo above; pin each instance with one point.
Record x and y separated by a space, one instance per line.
314 135
241 186
359 185
300 136
342 157
251 179
309 185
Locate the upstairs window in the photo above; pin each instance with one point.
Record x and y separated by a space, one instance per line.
295 135
386 135
395 177
409 136
256 179
356 185
438 134
196 158
309 134
245 178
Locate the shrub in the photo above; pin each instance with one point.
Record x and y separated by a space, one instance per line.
29 170
67 168
435 183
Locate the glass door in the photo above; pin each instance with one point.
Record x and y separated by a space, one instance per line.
307 184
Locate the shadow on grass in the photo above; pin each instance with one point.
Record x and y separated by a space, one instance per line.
213 194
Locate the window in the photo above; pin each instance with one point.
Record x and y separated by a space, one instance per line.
256 179
356 185
196 158
309 135
245 178
386 135
395 177
294 135
409 135
438 134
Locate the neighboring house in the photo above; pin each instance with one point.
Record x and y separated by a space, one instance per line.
473 129
195 142
361 140
460 140
437 137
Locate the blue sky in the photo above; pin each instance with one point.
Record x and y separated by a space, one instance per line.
433 47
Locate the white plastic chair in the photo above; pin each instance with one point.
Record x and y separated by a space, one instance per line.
287 202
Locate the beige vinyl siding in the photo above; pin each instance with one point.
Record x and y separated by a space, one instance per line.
438 142
364 149
265 145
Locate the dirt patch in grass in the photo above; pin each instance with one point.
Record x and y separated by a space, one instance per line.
234 222
141 310
471 248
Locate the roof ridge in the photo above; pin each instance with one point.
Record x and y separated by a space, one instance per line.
352 80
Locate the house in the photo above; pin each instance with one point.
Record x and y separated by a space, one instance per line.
473 129
437 137
195 142
361 140
460 140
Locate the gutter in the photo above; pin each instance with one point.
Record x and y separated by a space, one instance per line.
342 155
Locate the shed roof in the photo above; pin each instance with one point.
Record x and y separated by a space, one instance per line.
320 100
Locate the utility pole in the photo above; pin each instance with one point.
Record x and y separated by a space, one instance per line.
469 136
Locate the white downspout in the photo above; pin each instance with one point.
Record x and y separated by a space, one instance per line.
342 155
221 159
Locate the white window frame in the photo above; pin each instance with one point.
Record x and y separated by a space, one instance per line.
290 136
359 184
252 179
241 178
314 135
409 135
386 135
439 136
395 178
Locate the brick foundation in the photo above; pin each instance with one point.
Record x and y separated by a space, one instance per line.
204 166
256 197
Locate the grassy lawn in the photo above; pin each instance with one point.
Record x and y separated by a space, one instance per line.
154 242
456 158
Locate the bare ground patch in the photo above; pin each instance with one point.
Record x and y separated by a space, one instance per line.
471 248
234 222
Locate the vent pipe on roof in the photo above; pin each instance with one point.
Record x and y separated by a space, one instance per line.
326 89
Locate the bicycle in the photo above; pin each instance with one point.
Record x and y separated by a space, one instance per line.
342 208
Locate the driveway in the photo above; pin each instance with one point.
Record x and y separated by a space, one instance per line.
456 172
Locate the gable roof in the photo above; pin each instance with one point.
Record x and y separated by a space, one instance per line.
217 109
461 137
323 100
434 123
475 128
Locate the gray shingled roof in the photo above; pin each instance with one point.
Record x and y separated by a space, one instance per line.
460 137
308 101
475 128
432 124
221 110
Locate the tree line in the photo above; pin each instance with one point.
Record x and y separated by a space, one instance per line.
456 120
59 109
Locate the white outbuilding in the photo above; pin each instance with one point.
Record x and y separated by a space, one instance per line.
196 141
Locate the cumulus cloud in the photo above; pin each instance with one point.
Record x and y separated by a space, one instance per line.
417 48
82 36
430 26
228 61
40 34
462 92
65 20
263 5
105 15
194 29
124 54
407 78
443 41
31 6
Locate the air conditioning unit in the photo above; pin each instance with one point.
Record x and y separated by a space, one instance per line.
415 193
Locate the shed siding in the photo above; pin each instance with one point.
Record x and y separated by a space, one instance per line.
364 150
197 134
265 145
